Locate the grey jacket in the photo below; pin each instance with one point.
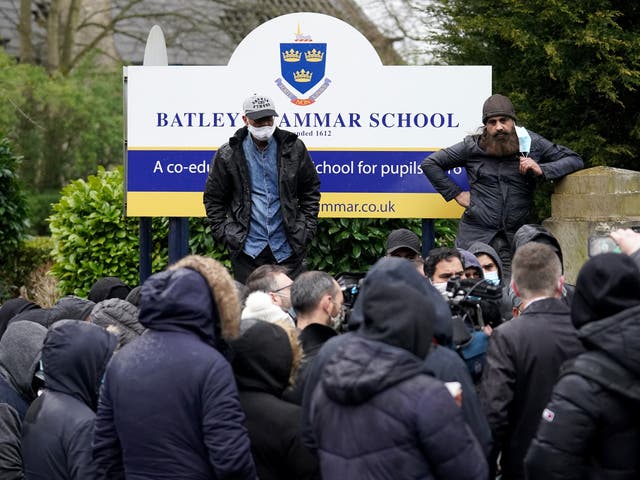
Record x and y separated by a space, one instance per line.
19 356
501 197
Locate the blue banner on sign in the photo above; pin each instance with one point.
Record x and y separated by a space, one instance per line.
339 171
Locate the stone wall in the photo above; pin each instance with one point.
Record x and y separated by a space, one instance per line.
595 200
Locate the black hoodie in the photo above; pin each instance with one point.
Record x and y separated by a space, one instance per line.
262 364
58 428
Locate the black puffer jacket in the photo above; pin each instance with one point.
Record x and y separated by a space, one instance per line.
227 194
591 429
500 196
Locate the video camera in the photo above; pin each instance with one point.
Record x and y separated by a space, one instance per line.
350 285
474 303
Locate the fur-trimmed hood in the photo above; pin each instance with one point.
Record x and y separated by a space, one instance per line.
196 294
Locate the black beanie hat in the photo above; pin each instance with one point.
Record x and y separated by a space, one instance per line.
607 284
497 105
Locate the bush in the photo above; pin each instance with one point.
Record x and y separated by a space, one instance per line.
13 214
93 239
354 244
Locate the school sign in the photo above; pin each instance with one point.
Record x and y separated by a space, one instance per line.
367 126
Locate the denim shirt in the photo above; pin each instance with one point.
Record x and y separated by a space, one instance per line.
266 226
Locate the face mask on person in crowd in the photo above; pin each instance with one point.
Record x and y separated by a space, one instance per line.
262 133
492 277
441 287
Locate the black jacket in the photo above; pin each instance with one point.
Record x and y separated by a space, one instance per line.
262 364
227 194
500 196
523 361
312 337
58 427
591 426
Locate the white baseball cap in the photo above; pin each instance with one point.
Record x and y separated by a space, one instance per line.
259 106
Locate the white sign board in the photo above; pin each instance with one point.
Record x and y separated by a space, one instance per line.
367 126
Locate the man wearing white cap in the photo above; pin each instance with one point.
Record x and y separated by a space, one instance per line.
263 194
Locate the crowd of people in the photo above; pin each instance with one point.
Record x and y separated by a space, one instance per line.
470 362
195 375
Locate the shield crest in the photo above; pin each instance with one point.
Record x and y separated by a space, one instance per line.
303 64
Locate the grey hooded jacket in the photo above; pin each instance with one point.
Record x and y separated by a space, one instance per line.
19 357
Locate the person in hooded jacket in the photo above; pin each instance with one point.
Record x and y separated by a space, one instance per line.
375 414
13 307
58 427
119 317
69 307
491 266
169 405
447 365
533 232
266 358
20 348
590 428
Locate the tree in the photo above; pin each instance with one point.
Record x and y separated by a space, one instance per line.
571 68
61 33
62 126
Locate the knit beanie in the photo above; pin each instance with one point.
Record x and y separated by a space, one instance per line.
119 317
260 307
497 105
607 284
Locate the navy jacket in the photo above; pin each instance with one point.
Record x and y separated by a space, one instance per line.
169 405
375 414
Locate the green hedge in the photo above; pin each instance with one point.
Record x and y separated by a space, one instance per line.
13 217
93 239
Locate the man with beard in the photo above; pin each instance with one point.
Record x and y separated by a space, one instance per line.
502 177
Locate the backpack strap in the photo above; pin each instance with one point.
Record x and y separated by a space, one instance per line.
605 371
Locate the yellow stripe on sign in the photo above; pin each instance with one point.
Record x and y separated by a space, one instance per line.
387 205
332 205
165 204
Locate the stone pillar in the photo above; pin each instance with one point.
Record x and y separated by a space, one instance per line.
594 200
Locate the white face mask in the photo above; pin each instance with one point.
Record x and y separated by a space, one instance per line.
441 287
262 133
492 277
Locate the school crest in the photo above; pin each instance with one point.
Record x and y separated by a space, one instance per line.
302 66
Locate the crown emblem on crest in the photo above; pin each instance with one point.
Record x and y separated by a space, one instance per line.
302 76
313 55
291 55
303 73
